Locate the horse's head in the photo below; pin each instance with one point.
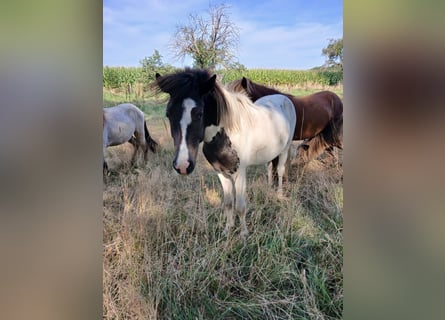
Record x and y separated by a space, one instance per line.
189 93
243 85
253 90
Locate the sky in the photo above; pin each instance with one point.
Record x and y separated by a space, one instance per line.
274 34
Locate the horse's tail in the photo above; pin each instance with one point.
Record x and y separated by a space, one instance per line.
331 136
153 145
311 148
333 132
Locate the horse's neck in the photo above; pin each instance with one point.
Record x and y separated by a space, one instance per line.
210 117
211 125
264 91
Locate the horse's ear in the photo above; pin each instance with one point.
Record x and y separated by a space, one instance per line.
157 75
244 81
208 85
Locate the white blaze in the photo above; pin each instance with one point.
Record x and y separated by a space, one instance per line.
183 153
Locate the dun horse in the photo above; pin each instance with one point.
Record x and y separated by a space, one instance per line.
122 123
236 132
319 117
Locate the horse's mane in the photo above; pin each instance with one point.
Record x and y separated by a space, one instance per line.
234 108
181 83
231 106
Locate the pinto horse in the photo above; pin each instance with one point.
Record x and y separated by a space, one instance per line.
236 132
122 123
319 117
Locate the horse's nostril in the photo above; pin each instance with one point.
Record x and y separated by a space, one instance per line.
190 167
182 167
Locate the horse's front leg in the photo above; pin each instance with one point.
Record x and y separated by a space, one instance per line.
227 185
240 202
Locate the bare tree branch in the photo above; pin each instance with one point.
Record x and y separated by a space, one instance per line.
210 42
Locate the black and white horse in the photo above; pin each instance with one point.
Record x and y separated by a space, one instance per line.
236 132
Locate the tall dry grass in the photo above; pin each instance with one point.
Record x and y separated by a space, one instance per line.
165 256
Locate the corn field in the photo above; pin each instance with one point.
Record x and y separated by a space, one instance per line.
121 77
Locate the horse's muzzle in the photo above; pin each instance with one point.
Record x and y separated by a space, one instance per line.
184 168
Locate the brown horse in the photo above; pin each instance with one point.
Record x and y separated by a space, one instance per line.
319 117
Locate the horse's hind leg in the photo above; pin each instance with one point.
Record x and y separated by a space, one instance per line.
281 169
270 170
104 151
145 150
140 137
133 157
138 142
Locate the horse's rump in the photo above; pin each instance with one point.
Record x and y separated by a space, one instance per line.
333 132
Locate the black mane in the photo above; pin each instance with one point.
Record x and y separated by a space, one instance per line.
195 84
184 83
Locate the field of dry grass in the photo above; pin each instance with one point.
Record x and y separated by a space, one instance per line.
165 257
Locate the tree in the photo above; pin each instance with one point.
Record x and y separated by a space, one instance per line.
155 60
152 64
334 53
210 42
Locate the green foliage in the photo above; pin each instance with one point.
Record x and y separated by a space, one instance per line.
118 77
151 65
334 53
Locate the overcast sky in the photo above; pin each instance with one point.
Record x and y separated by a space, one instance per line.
274 34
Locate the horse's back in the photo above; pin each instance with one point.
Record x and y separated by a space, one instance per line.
273 131
327 100
282 104
124 109
121 122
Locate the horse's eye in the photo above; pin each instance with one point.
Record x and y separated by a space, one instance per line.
198 115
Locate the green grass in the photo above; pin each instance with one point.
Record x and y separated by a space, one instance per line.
165 256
